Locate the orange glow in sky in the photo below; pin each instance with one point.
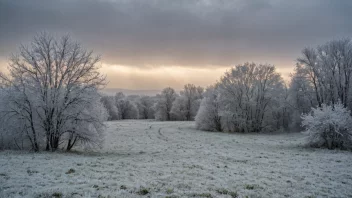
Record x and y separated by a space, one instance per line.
128 77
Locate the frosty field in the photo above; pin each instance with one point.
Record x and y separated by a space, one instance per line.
172 159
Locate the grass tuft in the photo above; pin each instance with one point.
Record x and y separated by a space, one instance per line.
57 195
207 195
71 170
143 191
224 191
170 191
249 186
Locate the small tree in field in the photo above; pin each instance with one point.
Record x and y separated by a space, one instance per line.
51 86
329 126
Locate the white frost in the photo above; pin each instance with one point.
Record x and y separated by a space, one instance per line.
174 159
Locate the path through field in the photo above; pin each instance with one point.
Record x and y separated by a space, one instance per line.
172 159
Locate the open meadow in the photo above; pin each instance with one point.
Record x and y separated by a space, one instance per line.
173 159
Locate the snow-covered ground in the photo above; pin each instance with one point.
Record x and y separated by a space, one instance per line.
172 159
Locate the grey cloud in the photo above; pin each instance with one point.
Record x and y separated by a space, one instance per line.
180 32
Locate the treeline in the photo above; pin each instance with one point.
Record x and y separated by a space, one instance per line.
253 97
166 106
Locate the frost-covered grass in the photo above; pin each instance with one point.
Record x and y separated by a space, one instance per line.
172 159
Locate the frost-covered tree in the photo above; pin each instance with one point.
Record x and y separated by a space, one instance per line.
110 105
179 109
281 110
329 126
322 76
87 127
126 107
129 107
164 104
14 120
248 98
301 96
186 106
49 86
247 93
145 107
328 69
208 117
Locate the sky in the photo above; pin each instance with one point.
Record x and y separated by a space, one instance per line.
152 44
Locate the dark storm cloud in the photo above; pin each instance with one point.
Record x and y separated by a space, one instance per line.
180 32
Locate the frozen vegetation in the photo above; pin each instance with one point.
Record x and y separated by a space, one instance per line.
143 158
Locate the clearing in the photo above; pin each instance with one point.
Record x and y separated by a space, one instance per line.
172 159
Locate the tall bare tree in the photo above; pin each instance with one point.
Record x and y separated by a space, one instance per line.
247 92
329 70
54 79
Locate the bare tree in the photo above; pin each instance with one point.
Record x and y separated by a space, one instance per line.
53 77
145 107
164 104
17 120
186 106
329 70
127 108
247 92
109 104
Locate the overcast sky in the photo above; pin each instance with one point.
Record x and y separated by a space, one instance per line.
157 43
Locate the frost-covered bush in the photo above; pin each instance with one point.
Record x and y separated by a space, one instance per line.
208 117
329 126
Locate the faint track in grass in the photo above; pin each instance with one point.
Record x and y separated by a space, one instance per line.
147 132
161 136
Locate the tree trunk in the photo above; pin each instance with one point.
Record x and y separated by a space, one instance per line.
47 148
70 144
54 143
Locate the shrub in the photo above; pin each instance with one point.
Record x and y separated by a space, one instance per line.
71 170
329 126
143 191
